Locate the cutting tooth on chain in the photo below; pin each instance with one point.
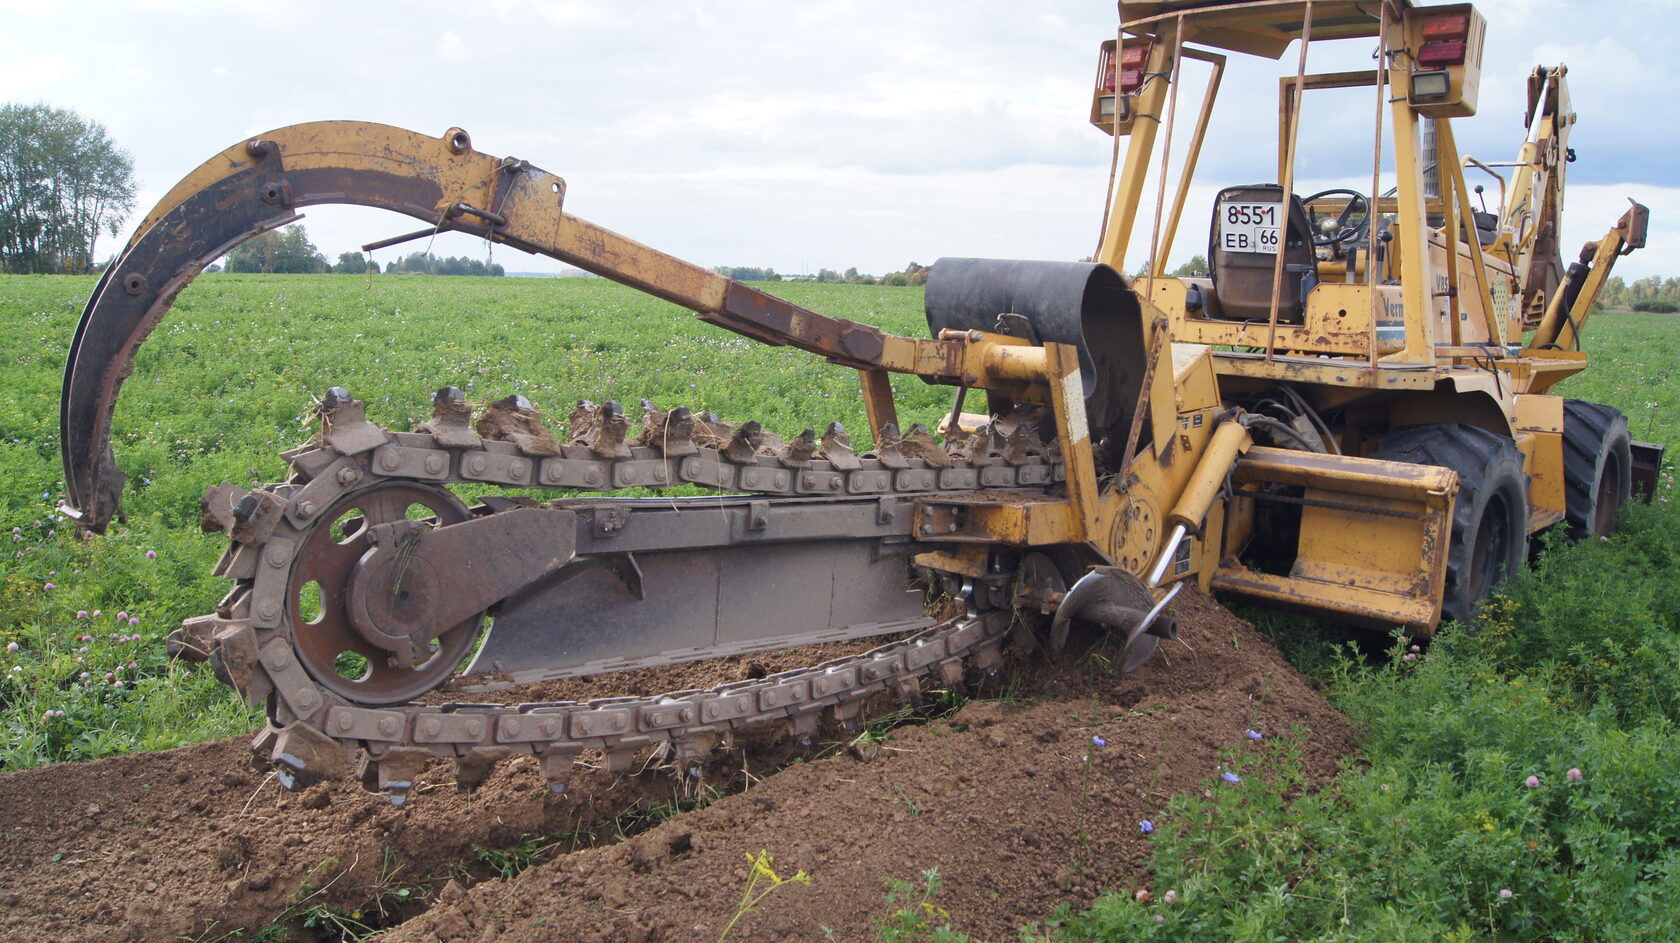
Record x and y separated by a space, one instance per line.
582 422
710 433
837 448
337 398
513 419
800 449
475 767
653 422
608 438
846 714
344 423
256 515
216 507
919 443
619 759
556 767
988 448
690 750
451 422
671 433
887 448
951 673
394 772
1023 445
961 445
803 726
303 756
909 691
744 444
1021 415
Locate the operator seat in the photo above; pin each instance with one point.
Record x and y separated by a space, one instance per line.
1242 276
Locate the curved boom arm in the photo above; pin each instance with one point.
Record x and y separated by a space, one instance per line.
257 185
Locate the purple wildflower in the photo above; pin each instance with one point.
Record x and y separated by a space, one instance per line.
1532 782
1146 826
1574 774
1099 741
1253 734
1230 777
1505 893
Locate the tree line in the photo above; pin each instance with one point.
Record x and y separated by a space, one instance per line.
912 274
1653 294
288 251
63 183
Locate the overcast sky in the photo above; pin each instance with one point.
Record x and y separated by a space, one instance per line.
803 135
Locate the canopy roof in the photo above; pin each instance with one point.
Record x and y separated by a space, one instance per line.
1257 27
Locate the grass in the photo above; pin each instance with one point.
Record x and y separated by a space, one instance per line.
1434 832
224 385
1578 668
1517 779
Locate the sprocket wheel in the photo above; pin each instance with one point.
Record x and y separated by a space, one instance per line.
327 643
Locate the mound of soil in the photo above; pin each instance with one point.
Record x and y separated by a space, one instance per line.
192 843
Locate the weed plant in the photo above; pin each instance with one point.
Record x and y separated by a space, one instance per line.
1518 780
224 384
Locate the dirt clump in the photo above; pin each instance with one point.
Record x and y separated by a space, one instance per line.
193 843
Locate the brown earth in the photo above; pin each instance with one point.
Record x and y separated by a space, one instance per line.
191 843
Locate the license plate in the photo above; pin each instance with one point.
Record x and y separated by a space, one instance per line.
1250 227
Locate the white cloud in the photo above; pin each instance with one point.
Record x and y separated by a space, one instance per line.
860 133
33 76
450 48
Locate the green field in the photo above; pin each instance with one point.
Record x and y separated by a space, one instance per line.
225 384
1578 668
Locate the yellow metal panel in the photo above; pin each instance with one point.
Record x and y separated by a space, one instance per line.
1541 420
1373 477
1074 431
1363 548
1318 370
1373 542
1370 606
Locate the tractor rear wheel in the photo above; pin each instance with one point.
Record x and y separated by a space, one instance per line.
1597 467
1490 513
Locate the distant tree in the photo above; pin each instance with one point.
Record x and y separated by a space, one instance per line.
63 181
743 273
352 263
1613 294
913 274
827 275
1196 267
286 252
420 263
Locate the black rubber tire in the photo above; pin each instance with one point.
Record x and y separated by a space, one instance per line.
1490 513
1597 467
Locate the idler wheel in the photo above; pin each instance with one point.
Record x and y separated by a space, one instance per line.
328 643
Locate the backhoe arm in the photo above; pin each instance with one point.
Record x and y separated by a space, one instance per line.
259 184
1573 301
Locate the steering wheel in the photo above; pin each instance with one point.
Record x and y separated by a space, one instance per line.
1345 226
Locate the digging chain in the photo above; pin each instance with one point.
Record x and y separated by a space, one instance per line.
312 731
